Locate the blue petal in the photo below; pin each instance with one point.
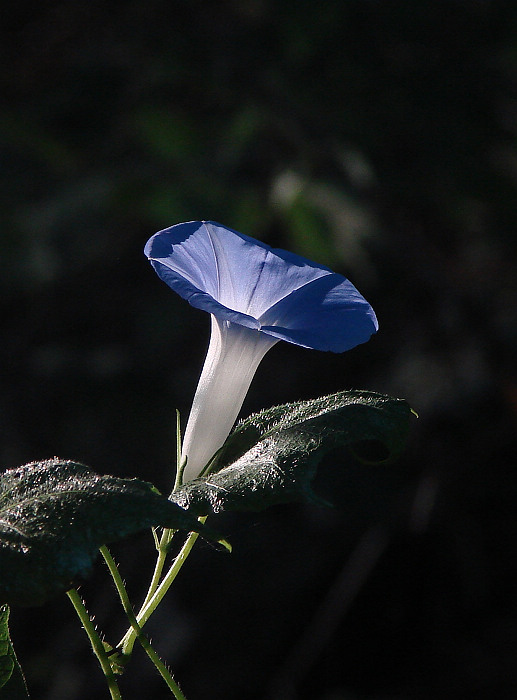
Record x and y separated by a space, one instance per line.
200 299
327 314
246 282
240 273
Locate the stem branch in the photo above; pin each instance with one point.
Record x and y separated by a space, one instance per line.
137 630
96 642
152 601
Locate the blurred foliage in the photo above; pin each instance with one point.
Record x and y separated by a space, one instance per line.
376 136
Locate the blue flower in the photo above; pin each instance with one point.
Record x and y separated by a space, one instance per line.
256 295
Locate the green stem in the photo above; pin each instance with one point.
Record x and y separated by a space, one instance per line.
95 641
156 589
144 642
162 545
162 668
179 466
162 548
147 609
158 569
119 583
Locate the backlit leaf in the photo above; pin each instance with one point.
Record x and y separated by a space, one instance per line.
272 456
54 515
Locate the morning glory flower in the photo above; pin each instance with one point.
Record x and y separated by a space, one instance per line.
256 295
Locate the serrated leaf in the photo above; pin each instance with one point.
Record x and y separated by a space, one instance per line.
54 515
272 456
10 672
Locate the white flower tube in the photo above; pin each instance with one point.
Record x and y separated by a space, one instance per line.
232 359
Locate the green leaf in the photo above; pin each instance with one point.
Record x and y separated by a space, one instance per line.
6 660
272 456
10 670
54 515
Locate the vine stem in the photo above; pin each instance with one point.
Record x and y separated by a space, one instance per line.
137 630
157 589
96 642
152 601
162 545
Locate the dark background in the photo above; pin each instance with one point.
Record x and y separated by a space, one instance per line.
378 137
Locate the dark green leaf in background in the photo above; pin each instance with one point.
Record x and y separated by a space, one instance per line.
272 456
6 660
10 672
54 515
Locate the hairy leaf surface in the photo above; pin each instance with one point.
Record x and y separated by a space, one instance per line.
272 456
55 514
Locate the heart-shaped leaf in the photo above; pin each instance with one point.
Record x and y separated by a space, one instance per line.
54 515
272 456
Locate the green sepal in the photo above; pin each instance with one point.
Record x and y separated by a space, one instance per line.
54 516
12 681
272 456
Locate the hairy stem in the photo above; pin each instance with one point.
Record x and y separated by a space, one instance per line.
137 630
152 602
95 641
